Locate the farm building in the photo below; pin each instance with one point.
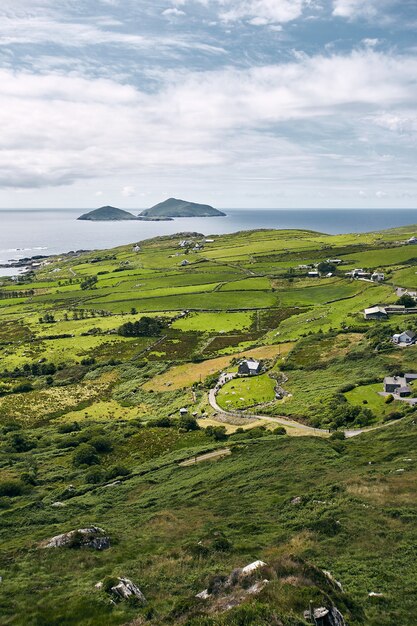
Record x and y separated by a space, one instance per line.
399 385
375 313
185 262
250 367
378 277
412 240
313 274
407 337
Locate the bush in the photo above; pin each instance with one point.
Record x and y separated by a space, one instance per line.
101 444
95 476
187 423
279 431
11 488
117 470
346 388
70 427
389 399
85 455
162 422
218 433
19 442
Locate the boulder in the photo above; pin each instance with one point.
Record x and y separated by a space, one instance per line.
126 589
93 537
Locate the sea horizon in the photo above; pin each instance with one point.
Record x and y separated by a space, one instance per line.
26 233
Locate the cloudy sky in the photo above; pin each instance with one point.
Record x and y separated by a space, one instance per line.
237 103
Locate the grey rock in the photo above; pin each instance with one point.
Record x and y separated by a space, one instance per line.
126 589
93 537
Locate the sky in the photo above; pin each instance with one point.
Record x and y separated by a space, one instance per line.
234 103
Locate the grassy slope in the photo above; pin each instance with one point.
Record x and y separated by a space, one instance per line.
154 517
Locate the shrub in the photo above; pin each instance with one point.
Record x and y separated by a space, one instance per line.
187 423
95 476
389 399
117 470
70 427
280 430
162 422
11 488
218 433
19 442
346 388
85 455
101 444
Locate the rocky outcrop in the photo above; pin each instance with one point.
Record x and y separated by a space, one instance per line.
126 589
323 616
93 537
225 592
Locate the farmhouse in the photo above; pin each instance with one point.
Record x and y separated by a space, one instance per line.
412 240
250 367
375 313
407 337
399 385
378 277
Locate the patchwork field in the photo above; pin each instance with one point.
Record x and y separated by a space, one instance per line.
106 363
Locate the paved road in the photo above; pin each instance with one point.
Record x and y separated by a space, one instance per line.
284 421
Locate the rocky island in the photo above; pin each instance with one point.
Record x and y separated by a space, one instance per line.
107 214
174 207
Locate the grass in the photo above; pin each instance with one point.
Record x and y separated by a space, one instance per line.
244 293
242 393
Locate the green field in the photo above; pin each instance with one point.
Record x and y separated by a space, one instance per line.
92 379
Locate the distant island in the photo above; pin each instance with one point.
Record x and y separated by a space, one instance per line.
107 214
164 211
112 214
174 207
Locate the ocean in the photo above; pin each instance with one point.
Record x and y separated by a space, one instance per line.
30 232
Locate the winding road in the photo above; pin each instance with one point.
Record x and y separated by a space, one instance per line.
284 421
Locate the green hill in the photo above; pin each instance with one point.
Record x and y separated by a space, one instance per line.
101 350
181 208
107 214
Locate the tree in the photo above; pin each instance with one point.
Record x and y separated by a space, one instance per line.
89 282
407 301
218 433
326 268
143 327
187 423
85 455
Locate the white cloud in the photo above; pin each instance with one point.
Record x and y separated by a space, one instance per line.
57 130
263 11
356 9
128 191
173 12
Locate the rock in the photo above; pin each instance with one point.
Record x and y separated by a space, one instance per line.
375 594
58 504
225 584
93 537
99 585
296 500
126 589
324 616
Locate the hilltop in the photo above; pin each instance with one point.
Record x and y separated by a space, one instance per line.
181 208
107 214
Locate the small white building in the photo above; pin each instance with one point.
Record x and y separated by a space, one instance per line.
378 277
412 240
407 337
313 274
185 262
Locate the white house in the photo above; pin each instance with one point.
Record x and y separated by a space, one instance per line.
378 277
407 337
412 240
